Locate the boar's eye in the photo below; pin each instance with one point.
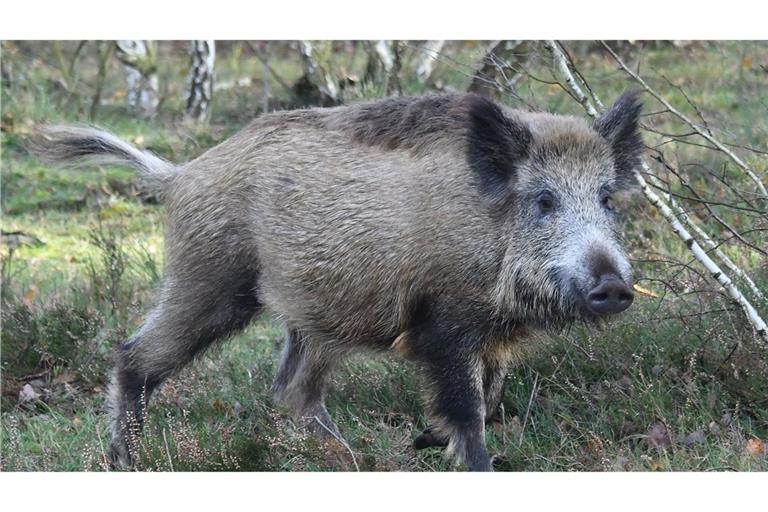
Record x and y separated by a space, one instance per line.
606 201
545 202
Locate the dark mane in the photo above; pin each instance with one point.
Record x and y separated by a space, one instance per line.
407 122
492 141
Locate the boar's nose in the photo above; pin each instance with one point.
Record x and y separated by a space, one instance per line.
610 295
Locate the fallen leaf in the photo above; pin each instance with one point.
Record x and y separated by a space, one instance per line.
658 435
625 382
756 448
644 291
508 429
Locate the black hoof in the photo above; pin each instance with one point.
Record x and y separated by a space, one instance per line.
428 439
500 462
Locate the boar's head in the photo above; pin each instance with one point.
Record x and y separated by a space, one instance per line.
551 181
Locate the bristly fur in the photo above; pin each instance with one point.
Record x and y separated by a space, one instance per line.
365 224
494 140
619 126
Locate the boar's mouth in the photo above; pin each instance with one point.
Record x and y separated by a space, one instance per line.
578 301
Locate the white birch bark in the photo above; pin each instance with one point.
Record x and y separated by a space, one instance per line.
316 72
138 58
701 234
200 79
698 252
430 53
387 58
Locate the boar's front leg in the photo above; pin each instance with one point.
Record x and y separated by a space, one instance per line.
458 409
494 374
448 337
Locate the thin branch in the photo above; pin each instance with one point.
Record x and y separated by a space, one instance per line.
282 83
340 440
570 81
528 409
754 177
707 204
430 52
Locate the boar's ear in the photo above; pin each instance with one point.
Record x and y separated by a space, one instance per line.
619 126
496 143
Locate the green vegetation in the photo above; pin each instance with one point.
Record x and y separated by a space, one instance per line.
677 384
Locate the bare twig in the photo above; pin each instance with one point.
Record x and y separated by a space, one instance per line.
528 409
703 133
273 74
167 450
570 81
340 440
501 57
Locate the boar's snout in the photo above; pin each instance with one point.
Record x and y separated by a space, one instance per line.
611 295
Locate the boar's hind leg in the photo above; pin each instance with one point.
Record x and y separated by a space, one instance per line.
188 318
302 380
289 364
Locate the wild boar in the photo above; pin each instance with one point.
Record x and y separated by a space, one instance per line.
450 223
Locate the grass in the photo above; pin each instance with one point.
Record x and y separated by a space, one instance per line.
661 389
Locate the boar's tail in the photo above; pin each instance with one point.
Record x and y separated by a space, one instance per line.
80 145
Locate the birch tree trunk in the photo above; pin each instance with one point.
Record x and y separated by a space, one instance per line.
266 76
393 77
200 80
385 54
384 65
317 86
139 60
431 51
104 51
